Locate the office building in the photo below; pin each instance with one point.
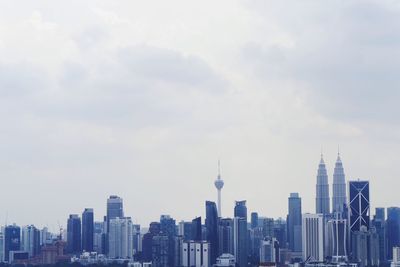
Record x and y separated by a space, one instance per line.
225 236
358 205
337 240
211 223
322 189
30 240
269 251
313 237
74 239
12 240
240 209
87 230
294 222
254 220
120 238
240 241
196 229
393 229
339 199
379 224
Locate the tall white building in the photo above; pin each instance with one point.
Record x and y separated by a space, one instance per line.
339 187
313 237
195 254
30 241
120 241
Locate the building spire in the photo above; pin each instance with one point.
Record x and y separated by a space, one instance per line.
219 169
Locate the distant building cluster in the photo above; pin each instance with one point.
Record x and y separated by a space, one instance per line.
340 233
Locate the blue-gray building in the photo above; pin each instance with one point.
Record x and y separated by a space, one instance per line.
240 209
393 229
211 223
87 230
12 240
294 221
74 239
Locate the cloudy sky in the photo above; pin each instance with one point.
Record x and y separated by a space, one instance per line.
141 99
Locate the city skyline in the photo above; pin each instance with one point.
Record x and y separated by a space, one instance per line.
99 216
140 100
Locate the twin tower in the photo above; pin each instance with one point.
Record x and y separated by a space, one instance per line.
322 200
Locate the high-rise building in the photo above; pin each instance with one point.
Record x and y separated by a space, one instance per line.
12 240
219 184
240 209
74 239
339 188
196 229
98 237
240 241
268 227
379 224
147 242
337 239
256 236
30 240
313 237
393 229
87 230
280 232
185 230
120 238
358 205
168 228
294 223
225 236
160 251
365 247
2 247
211 223
322 189
254 220
268 251
115 208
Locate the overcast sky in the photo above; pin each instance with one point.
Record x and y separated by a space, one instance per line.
141 98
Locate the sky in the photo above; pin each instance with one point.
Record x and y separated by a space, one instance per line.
142 98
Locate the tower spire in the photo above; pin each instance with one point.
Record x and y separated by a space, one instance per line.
219 183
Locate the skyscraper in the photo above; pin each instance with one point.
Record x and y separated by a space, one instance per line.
12 240
322 189
380 225
87 230
212 229
337 239
313 237
30 240
358 205
114 208
240 209
168 228
225 236
196 229
74 234
254 220
120 238
219 184
294 222
339 187
393 229
240 241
